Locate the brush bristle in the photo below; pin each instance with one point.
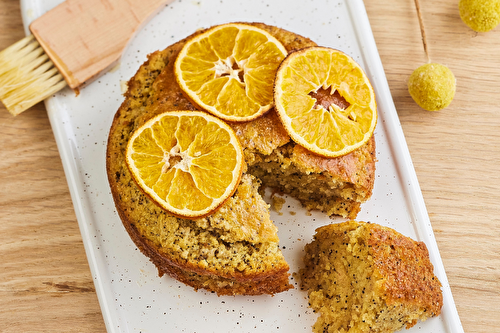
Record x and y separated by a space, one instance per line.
27 76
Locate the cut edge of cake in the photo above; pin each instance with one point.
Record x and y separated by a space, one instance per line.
363 277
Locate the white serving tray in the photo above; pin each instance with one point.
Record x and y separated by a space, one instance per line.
132 296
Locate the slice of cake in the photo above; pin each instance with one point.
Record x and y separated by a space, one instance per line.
363 277
234 250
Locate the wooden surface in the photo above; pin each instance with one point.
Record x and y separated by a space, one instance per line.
45 282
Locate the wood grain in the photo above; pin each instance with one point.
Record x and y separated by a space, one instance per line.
45 282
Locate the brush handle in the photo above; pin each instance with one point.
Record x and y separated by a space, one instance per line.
86 37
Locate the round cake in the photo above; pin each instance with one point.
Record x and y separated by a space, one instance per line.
234 250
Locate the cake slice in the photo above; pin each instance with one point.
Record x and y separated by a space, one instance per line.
363 277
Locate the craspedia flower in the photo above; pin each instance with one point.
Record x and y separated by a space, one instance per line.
432 86
480 15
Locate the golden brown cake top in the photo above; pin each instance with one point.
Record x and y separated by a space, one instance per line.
406 268
263 134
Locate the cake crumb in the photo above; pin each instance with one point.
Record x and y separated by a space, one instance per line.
277 203
123 86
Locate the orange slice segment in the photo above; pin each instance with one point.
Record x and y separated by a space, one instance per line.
229 70
188 162
325 101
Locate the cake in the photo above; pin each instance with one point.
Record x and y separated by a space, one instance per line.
363 277
235 250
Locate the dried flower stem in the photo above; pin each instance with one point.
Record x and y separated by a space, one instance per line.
422 29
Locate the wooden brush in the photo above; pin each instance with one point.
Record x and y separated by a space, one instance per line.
71 44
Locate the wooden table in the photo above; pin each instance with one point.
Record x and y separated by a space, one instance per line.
45 282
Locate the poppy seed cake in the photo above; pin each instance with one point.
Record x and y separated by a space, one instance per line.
234 250
363 277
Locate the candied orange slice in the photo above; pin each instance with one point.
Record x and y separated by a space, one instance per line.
188 162
325 101
229 70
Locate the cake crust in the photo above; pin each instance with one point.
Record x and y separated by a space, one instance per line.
363 277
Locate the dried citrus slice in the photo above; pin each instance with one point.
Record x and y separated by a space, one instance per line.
188 162
325 101
229 70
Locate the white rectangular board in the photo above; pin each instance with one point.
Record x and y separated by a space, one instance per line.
131 295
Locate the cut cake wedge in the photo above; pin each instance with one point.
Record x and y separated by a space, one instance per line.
364 277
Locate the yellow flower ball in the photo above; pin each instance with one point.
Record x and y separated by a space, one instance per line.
432 86
480 15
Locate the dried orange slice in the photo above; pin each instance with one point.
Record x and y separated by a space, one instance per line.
229 70
188 162
325 101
